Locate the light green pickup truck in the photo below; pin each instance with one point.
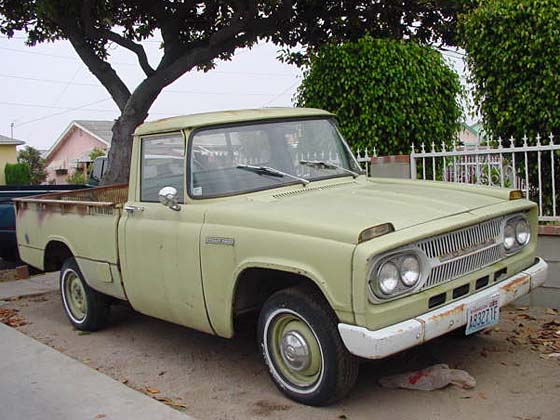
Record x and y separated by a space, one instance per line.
267 212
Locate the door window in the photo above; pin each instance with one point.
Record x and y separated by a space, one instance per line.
162 165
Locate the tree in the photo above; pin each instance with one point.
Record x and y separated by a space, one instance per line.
17 174
195 34
32 157
387 94
512 53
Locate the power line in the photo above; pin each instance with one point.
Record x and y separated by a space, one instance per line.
98 85
68 57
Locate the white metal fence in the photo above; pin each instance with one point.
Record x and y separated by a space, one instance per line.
531 169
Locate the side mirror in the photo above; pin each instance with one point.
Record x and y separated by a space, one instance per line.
168 197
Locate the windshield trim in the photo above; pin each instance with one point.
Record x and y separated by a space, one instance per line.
195 131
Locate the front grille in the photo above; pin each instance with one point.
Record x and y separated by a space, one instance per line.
463 251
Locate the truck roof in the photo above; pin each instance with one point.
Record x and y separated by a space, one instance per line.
225 117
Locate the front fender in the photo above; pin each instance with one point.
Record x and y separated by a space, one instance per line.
325 262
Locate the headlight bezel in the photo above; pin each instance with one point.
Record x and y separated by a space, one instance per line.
512 222
396 257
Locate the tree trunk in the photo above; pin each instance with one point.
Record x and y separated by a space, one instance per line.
134 114
121 150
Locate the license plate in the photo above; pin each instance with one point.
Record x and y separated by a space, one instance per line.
483 314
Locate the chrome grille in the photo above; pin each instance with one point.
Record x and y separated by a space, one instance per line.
463 251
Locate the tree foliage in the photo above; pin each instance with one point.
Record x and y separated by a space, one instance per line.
512 52
196 33
387 94
32 157
320 22
17 174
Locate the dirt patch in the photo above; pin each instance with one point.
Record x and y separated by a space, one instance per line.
213 378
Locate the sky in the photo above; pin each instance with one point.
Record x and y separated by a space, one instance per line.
45 87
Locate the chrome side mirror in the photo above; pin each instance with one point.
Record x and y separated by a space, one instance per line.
168 197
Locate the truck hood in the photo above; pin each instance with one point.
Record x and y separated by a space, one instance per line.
341 210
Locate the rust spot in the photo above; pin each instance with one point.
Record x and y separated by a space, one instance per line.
512 286
457 310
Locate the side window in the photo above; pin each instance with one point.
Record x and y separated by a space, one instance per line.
162 165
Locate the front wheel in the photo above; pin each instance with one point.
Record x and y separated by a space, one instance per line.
302 348
87 309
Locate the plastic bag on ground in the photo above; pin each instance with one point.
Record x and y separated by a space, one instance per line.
434 377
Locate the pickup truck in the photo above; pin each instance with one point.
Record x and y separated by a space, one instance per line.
267 212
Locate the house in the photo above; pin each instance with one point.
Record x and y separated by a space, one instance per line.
472 135
8 154
70 152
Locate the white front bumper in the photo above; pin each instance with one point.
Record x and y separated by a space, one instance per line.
398 337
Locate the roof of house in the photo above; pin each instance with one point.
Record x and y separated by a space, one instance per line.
9 141
226 117
99 129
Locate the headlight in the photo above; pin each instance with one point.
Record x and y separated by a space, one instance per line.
517 233
396 274
410 270
388 278
509 236
522 232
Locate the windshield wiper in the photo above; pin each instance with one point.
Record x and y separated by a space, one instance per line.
322 164
267 170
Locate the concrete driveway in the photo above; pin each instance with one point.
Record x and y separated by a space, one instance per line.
225 379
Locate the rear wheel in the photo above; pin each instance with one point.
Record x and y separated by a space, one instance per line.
87 309
299 338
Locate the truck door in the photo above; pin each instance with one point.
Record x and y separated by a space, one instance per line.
160 246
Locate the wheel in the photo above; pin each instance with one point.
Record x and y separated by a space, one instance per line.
300 343
87 309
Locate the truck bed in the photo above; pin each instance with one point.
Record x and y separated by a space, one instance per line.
84 220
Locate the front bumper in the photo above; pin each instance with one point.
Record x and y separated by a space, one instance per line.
398 337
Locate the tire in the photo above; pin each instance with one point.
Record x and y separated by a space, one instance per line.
87 309
299 320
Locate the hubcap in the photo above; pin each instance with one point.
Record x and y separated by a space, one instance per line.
75 296
294 349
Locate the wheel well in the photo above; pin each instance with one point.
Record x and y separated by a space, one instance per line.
55 255
256 285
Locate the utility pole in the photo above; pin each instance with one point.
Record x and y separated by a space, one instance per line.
12 130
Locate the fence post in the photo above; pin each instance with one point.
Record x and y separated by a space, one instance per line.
412 162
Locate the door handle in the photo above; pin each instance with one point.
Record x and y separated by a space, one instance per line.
133 209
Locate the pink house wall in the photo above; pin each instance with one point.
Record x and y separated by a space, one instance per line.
76 144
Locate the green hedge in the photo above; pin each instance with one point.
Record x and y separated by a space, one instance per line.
386 93
17 174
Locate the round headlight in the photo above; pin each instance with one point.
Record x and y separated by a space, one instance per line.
522 232
509 236
410 270
388 277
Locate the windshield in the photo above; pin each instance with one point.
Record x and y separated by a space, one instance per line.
220 157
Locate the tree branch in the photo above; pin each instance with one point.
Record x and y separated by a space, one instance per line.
130 45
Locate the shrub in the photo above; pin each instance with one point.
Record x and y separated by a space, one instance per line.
17 174
387 93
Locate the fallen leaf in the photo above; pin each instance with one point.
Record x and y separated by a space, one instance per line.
84 333
162 373
152 390
124 381
100 416
483 396
550 311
